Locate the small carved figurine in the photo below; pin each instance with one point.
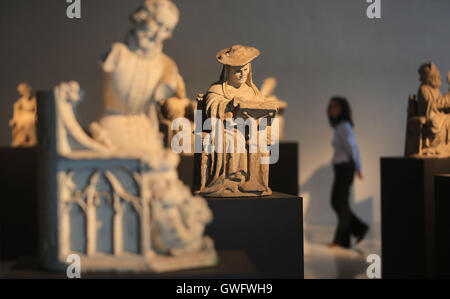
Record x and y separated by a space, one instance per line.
23 122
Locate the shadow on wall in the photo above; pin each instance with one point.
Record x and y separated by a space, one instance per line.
317 192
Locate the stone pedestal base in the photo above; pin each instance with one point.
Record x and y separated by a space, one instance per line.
410 222
19 206
268 229
442 194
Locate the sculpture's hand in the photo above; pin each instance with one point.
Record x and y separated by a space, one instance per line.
232 107
236 102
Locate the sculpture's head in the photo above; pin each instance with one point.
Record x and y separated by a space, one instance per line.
237 67
430 75
154 22
238 75
24 90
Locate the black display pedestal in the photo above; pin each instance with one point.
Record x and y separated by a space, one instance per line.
283 175
442 194
268 229
18 211
255 238
409 216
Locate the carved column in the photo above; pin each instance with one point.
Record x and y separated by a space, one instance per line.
145 215
118 225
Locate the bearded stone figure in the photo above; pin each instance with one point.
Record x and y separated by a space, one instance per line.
137 75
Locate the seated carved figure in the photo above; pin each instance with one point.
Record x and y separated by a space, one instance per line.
432 105
233 163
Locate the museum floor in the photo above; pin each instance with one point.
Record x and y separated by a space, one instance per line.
324 263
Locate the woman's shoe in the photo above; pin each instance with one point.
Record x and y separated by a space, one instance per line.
362 235
333 245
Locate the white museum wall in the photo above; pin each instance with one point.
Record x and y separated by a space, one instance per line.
315 49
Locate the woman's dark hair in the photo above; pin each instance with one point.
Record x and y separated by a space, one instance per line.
346 111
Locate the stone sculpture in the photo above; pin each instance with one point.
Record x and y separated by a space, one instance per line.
428 124
115 199
138 76
23 122
235 162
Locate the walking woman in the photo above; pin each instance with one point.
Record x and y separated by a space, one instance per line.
346 162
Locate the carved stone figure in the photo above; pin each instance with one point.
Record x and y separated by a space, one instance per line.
428 125
235 162
137 75
116 199
267 89
23 122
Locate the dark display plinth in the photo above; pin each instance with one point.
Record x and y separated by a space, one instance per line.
268 229
442 194
255 238
283 175
409 210
18 212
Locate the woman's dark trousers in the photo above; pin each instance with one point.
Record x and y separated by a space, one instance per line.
348 223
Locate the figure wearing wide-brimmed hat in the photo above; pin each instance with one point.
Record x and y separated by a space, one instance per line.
230 169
